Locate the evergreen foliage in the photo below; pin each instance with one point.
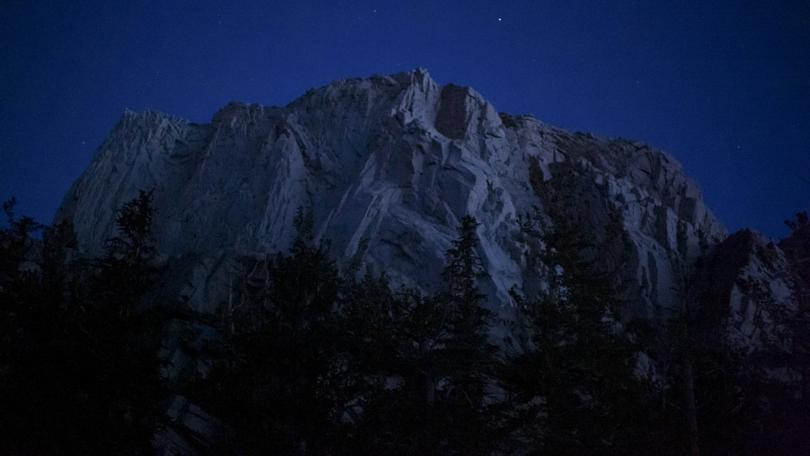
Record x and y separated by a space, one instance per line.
331 365
468 357
78 370
321 362
282 390
573 385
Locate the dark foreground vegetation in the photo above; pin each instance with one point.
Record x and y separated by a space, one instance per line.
315 360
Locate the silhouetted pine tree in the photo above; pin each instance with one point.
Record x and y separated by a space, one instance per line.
398 342
80 378
27 344
129 333
574 385
419 364
127 269
367 338
468 358
281 391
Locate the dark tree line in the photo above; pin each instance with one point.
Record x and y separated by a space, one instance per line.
322 363
319 361
78 366
574 381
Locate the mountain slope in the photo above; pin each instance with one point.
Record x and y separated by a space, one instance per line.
388 165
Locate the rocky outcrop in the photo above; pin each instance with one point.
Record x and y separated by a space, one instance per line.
388 165
188 347
797 252
748 295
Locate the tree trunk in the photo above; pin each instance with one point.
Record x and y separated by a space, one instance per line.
430 389
688 335
691 408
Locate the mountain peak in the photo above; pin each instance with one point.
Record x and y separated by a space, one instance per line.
388 165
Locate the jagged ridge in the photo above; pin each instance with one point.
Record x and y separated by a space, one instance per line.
388 164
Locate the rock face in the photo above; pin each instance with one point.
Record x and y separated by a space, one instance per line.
752 298
744 284
388 165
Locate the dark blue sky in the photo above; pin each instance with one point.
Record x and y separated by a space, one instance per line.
722 86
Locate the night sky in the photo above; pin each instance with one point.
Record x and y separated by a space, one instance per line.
722 86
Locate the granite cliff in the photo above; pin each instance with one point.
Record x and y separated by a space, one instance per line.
388 165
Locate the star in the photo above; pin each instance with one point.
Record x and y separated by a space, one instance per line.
500 19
